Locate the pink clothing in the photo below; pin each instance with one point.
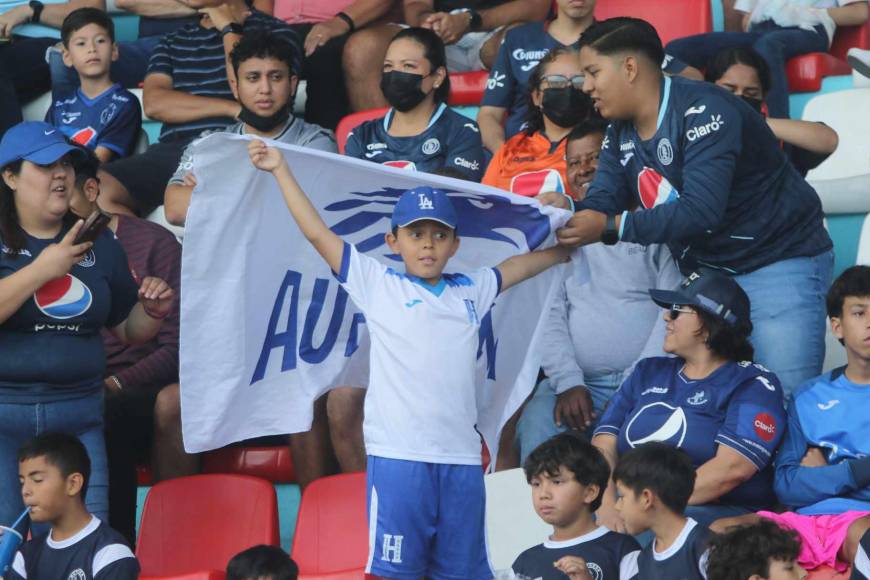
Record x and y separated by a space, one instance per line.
821 536
299 11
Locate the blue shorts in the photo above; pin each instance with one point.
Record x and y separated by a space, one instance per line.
426 520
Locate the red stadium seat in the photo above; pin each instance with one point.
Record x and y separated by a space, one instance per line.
466 89
268 462
351 122
331 539
673 19
144 475
196 524
805 73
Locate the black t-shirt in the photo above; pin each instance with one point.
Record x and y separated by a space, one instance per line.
149 26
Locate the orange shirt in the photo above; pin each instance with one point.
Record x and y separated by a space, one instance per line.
525 165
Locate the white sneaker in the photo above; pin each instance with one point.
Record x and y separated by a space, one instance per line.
859 60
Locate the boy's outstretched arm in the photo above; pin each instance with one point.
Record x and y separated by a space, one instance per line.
315 230
516 269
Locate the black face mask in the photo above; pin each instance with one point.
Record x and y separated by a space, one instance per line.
753 102
402 89
265 124
566 106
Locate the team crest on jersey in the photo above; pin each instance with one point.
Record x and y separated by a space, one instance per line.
431 146
108 113
62 298
654 189
698 398
89 260
532 183
77 574
657 422
665 151
595 571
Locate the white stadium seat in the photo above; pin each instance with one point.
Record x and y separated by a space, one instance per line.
512 525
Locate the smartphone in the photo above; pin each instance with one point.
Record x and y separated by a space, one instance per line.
92 227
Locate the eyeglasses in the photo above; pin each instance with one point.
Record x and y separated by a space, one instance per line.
561 81
676 310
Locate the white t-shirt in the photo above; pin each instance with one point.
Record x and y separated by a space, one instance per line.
788 13
421 401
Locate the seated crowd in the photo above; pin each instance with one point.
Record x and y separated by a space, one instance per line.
699 442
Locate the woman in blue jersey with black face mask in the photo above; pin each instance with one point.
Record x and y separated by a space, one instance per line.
709 178
419 132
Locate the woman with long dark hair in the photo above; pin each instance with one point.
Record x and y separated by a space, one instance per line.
709 399
532 162
55 297
419 132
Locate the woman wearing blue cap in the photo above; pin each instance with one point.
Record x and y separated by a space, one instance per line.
709 400
55 297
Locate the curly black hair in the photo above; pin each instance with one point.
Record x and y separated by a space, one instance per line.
746 550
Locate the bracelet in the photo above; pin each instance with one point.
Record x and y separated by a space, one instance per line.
154 316
117 382
347 20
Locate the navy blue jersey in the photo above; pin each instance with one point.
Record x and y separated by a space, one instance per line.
111 120
861 566
686 559
713 183
740 405
508 84
96 553
51 346
608 555
450 140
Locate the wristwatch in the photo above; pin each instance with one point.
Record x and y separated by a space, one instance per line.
611 234
232 28
476 20
37 7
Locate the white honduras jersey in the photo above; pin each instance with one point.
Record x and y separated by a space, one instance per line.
421 401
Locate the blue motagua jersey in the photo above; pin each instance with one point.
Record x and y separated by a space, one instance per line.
451 140
111 120
740 405
712 183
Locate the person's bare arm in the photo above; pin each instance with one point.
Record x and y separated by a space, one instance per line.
514 11
267 6
362 12
850 15
156 8
176 201
607 514
52 14
416 11
809 135
163 103
104 154
491 130
524 266
719 475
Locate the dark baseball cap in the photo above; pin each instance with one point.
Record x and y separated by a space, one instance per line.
36 142
710 291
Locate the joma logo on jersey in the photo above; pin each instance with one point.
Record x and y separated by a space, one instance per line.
391 550
714 125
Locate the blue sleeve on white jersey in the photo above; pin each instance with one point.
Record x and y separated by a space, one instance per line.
797 486
755 419
609 192
486 285
465 150
616 413
120 135
709 161
501 84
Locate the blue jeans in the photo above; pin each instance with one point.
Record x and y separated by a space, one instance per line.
774 43
536 424
789 316
82 417
129 70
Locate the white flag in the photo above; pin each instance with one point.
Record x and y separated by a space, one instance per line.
265 327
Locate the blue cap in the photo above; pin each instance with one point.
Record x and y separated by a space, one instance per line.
36 142
711 291
424 203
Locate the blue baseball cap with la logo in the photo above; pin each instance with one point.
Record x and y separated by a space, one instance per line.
424 203
36 142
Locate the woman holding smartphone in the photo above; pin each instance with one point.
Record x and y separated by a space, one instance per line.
55 297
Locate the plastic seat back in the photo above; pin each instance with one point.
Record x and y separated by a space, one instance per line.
198 523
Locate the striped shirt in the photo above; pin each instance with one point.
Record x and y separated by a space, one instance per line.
151 251
195 59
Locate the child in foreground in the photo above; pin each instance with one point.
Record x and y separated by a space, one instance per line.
425 485
762 551
568 477
654 482
54 469
262 563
